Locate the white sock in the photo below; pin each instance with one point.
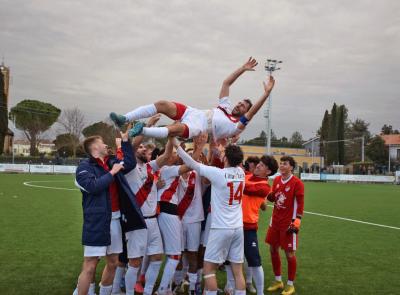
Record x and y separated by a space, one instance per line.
142 112
230 279
278 278
169 271
240 292
130 279
249 275
199 275
258 276
75 291
290 283
92 289
156 132
151 276
192 281
105 290
178 277
119 272
211 292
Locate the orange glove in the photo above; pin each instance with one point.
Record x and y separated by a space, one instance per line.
294 227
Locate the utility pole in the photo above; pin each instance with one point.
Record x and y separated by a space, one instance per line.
270 67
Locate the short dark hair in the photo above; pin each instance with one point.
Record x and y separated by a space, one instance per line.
87 143
249 102
289 159
156 152
271 163
234 155
251 159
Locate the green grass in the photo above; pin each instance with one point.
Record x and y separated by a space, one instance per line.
40 233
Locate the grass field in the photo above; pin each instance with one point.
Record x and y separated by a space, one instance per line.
40 233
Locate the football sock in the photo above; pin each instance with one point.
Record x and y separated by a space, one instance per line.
156 132
292 264
169 271
240 292
141 112
130 279
258 276
151 276
192 281
105 290
119 272
276 263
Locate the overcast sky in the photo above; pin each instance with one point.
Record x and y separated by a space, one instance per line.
104 56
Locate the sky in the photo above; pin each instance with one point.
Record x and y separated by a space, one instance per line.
103 56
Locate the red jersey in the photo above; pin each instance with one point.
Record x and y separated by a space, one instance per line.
289 202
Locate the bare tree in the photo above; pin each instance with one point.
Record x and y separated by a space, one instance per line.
72 122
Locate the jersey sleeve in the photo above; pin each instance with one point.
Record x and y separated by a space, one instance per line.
153 165
213 174
169 172
257 190
225 102
299 195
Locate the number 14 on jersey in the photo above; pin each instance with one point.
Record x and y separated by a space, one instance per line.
237 196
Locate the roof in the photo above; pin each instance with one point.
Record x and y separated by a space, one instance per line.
311 140
391 139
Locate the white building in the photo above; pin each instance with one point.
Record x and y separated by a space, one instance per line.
22 147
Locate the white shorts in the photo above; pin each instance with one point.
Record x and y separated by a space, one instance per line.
171 232
196 120
114 248
225 244
205 233
146 241
191 236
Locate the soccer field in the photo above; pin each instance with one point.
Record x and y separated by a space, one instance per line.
40 234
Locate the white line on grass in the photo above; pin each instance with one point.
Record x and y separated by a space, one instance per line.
348 219
29 183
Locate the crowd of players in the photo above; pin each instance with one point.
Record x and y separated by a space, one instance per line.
198 211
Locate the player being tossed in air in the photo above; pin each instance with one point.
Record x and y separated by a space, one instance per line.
225 240
288 195
222 122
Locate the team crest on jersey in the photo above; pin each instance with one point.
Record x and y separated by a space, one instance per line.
280 200
277 186
287 188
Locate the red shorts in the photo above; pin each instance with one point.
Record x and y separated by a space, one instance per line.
281 238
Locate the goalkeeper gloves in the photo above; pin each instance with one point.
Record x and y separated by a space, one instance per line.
271 197
294 227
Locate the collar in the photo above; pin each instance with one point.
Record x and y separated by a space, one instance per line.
287 180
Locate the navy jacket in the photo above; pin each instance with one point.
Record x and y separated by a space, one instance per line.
94 182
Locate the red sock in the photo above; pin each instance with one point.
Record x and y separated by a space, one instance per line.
292 264
276 263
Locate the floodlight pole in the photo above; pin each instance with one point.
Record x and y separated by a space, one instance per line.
270 67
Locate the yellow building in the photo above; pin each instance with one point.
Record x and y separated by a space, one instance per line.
22 147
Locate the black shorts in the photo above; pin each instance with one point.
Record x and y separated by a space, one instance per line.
251 251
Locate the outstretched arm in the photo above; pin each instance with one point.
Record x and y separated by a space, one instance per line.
150 123
259 103
248 66
163 159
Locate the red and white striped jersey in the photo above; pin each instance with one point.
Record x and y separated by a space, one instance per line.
169 193
190 207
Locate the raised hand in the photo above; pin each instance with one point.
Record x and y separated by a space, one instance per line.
268 87
250 64
116 168
125 135
153 120
200 140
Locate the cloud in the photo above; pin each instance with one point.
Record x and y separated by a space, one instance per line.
116 55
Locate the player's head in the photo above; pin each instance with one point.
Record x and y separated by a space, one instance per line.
149 151
266 167
242 107
95 147
251 163
287 165
141 153
233 156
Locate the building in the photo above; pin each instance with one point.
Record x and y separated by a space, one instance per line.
22 147
393 142
8 142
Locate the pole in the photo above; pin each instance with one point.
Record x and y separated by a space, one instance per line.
389 157
269 130
13 153
362 149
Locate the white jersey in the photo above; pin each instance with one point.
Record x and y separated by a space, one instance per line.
169 193
224 125
141 182
226 195
191 203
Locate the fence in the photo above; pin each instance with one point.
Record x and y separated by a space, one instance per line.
351 177
35 168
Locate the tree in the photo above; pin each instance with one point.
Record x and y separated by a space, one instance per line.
297 139
331 146
342 114
3 114
65 144
34 117
106 131
72 122
377 151
388 129
354 131
323 133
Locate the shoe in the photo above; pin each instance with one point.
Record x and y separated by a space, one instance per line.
139 288
250 288
229 291
289 290
118 120
275 286
136 130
